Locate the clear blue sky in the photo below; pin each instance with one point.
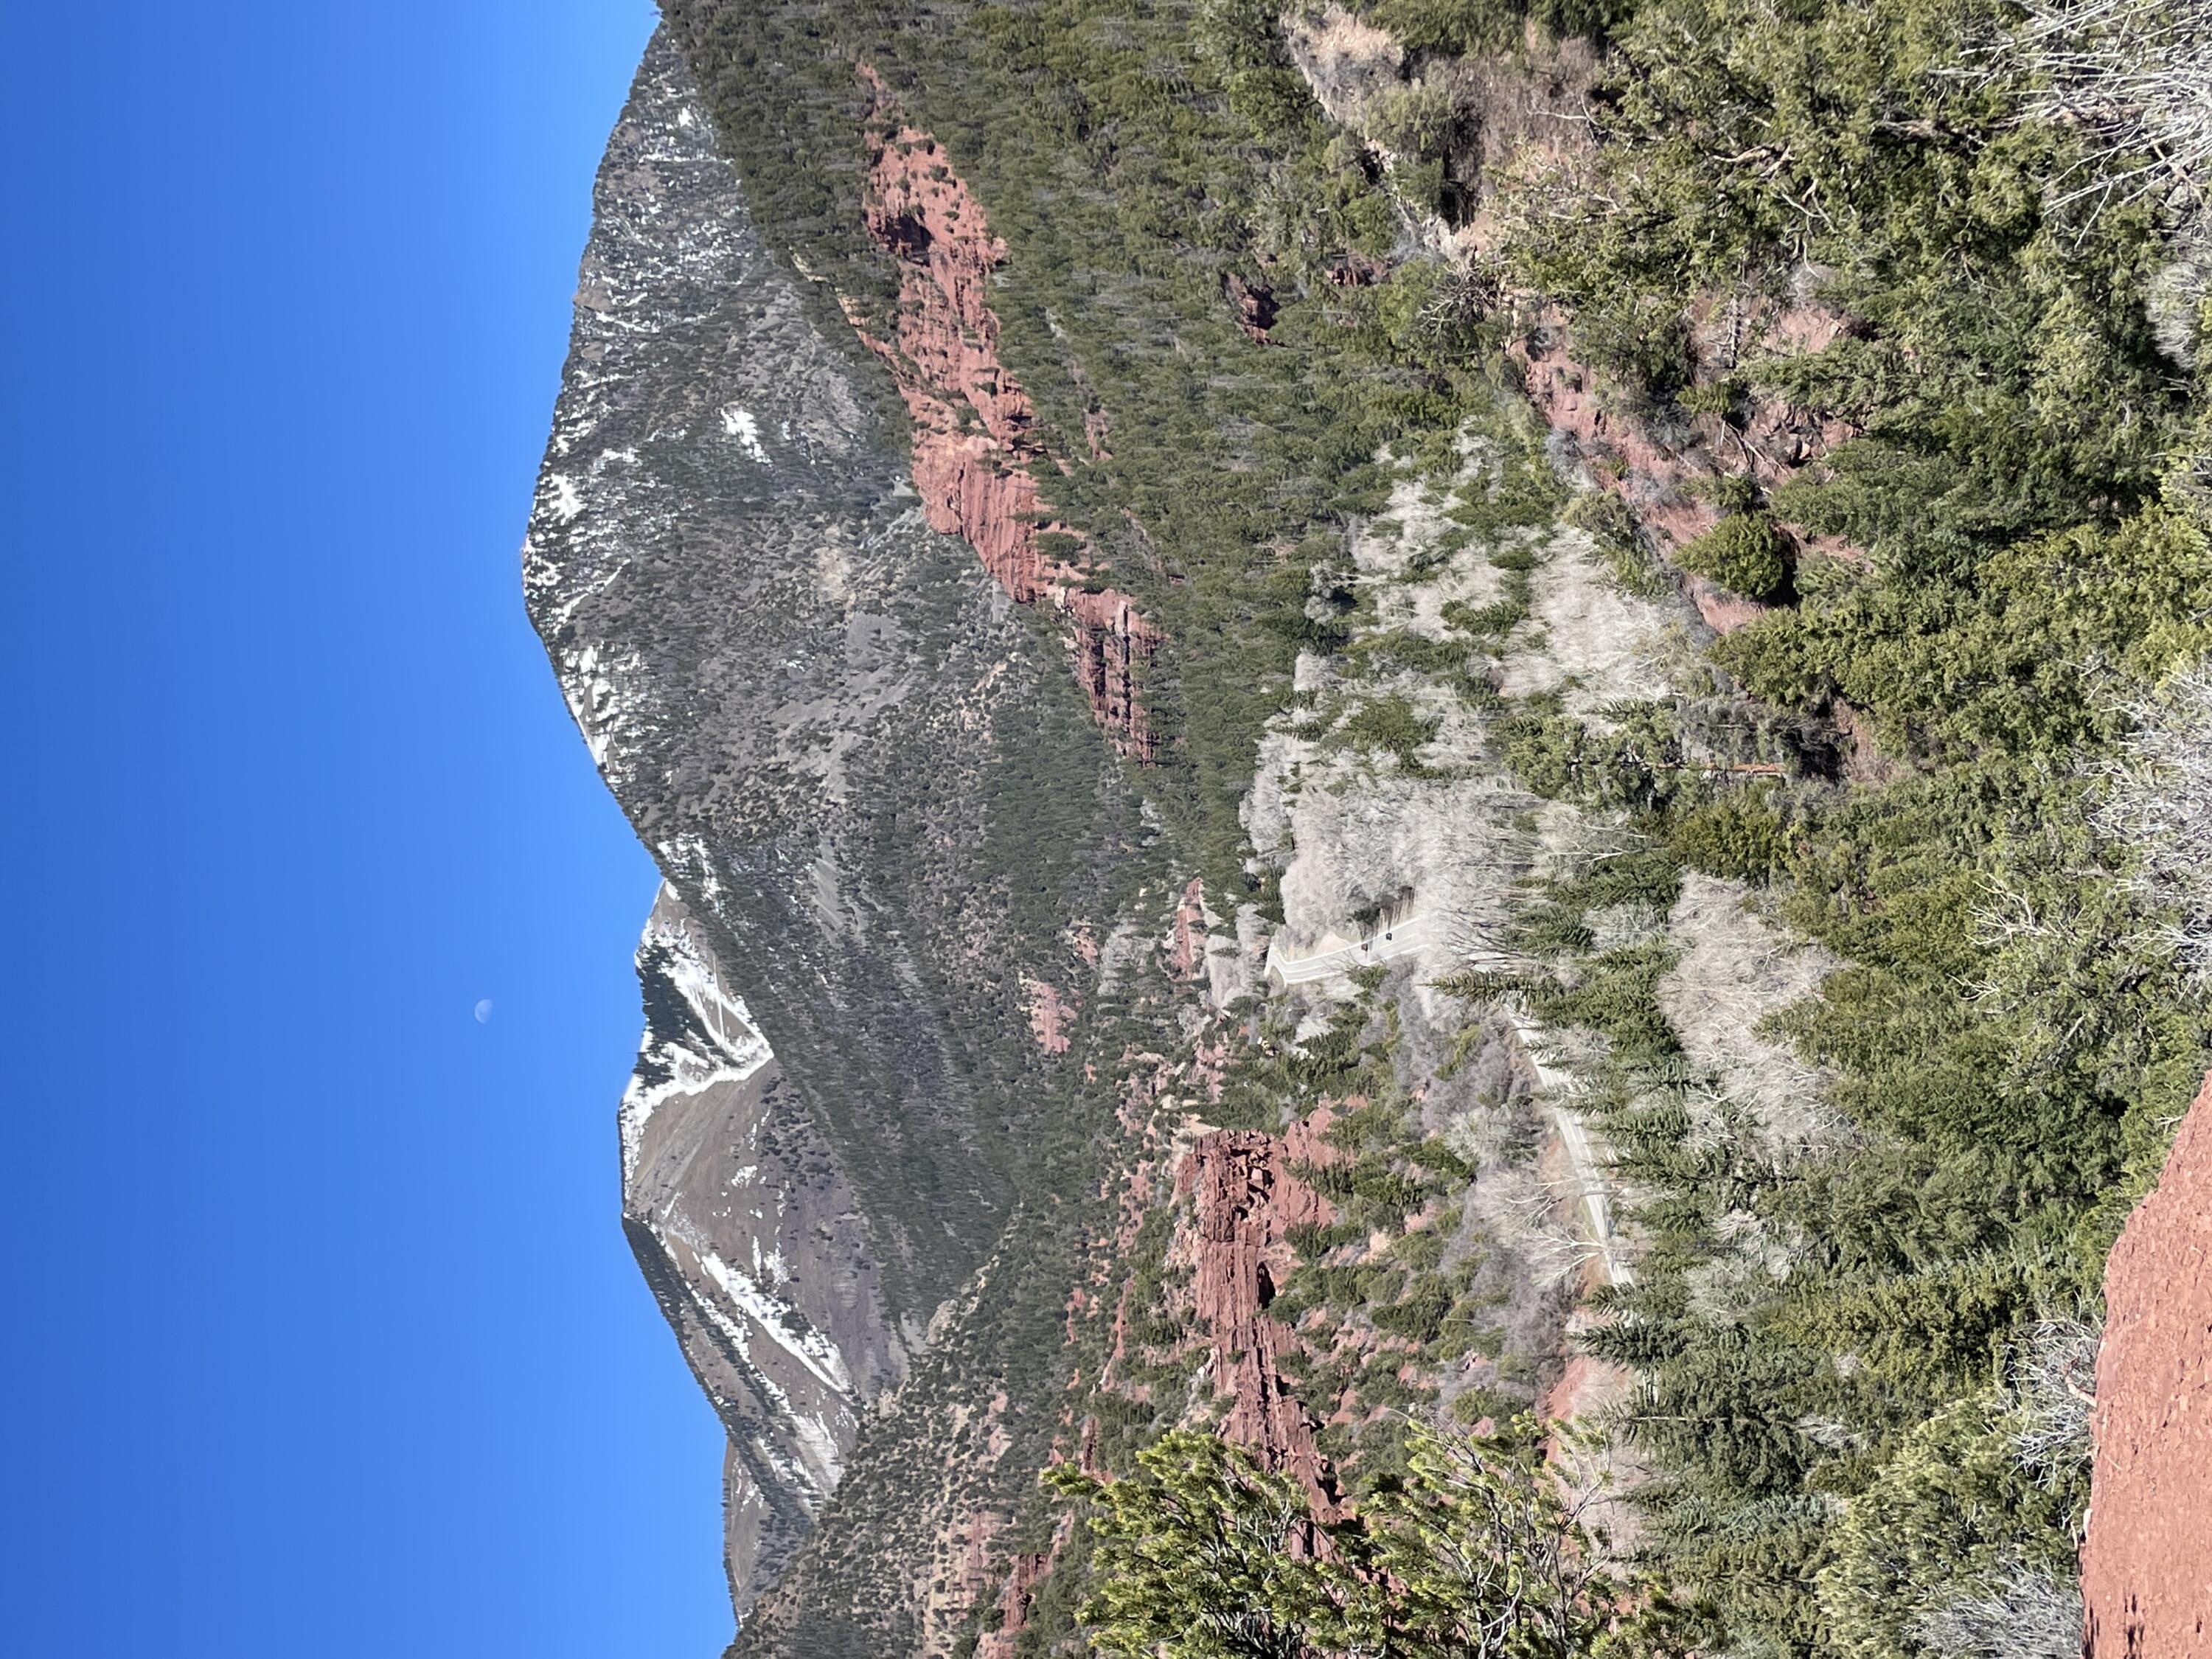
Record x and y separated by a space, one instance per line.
321 1337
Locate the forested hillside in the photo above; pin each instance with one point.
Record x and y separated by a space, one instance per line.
1854 346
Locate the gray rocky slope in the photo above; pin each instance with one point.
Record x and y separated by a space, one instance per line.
873 795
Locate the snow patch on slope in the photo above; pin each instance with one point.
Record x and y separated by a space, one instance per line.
719 1045
809 1347
739 423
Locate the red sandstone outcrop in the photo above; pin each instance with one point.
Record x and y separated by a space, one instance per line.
1050 1015
2146 1563
1112 642
1028 1571
1244 1200
975 439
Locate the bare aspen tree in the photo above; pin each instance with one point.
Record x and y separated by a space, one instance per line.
2136 75
2160 803
2028 1612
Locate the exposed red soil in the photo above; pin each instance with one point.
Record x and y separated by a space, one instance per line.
969 1576
974 426
1584 1385
2146 1562
1028 1571
1050 1015
1665 481
1209 1068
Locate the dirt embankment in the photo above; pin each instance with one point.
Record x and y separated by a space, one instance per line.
1665 468
974 437
2146 1563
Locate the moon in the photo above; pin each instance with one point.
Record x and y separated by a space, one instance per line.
483 1012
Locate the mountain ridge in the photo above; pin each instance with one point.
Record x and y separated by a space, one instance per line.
1780 1030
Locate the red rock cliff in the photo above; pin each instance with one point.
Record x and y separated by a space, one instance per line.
2147 1564
1244 1200
975 439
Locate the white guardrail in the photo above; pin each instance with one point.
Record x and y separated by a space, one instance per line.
1557 1088
1333 954
1399 940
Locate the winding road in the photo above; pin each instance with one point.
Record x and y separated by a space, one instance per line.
1556 1088
1400 939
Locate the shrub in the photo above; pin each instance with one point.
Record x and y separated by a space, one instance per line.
1450 25
1739 835
1392 726
1412 122
1953 1511
1619 541
1744 552
1475 1547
